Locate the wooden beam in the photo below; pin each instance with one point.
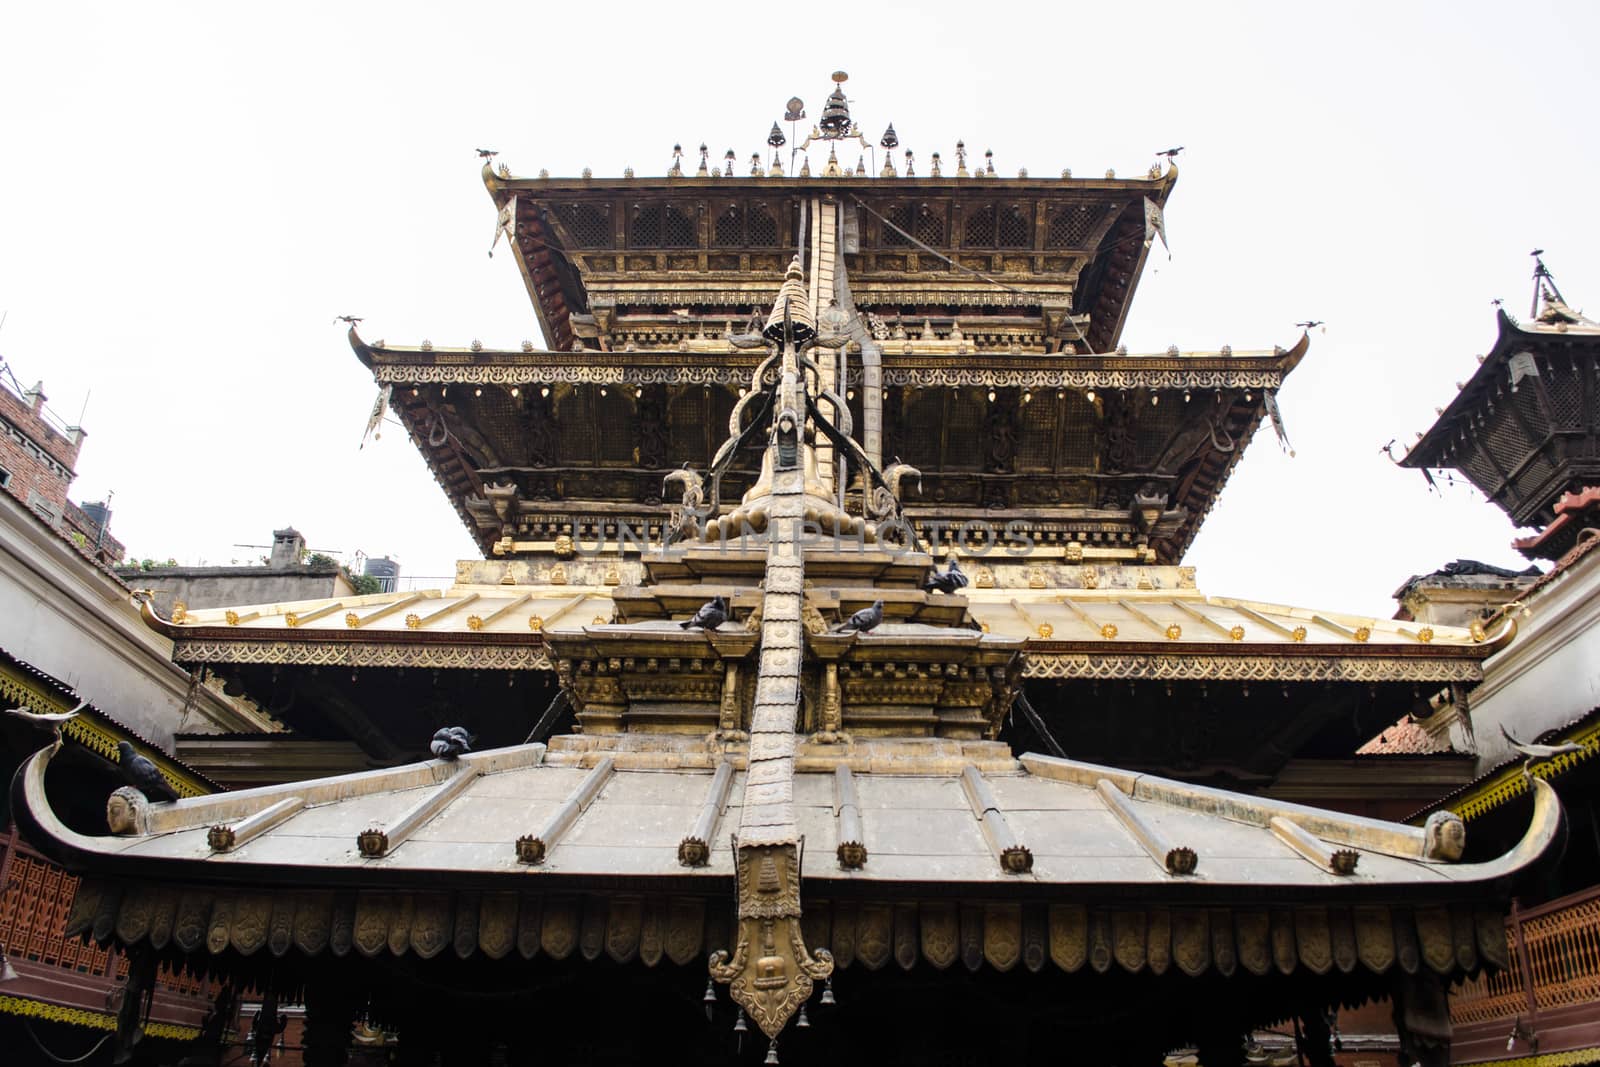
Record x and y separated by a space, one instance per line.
535 848
695 849
1014 856
1337 860
1174 859
225 837
852 846
377 841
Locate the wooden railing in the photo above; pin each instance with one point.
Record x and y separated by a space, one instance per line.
35 898
1556 963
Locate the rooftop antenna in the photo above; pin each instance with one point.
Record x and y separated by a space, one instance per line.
1542 280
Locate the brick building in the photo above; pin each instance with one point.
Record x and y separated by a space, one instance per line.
38 459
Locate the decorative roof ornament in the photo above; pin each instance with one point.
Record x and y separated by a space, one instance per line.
677 162
891 140
835 121
702 172
988 162
794 306
961 160
795 110
935 172
776 138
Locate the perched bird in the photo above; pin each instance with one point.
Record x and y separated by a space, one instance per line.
51 721
1539 753
712 614
1171 152
487 153
864 620
348 319
143 775
1309 324
450 741
948 581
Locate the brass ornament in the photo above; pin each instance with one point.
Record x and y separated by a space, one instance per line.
1312 937
1252 935
770 972
941 933
194 912
372 923
180 612
686 920
341 923
653 931
1069 940
1374 937
1237 633
218 929
1406 953
623 923
1342 935
1224 956
1046 631
252 916
1035 937
164 913
474 623
1109 631
352 620
1128 932
1462 935
1174 631
971 936
1002 935
1191 941
1363 633
311 922
400 922
1438 946
1299 634
430 925
133 918
560 933
1281 934
464 937
874 924
905 935
530 918
1158 940
232 617
535 623
1100 953
413 621
1425 634
497 924
592 928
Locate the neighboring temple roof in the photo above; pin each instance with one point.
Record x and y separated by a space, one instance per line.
1508 780
1068 633
924 812
1517 428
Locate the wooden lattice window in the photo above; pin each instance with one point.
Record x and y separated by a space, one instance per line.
1014 228
763 228
1072 225
589 225
729 229
900 216
930 226
662 226
980 228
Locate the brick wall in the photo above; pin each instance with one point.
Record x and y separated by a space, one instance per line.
37 458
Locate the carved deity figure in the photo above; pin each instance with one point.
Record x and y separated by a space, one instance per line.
127 811
1444 837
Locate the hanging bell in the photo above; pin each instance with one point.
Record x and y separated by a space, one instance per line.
827 994
772 1052
739 1025
802 1023
710 998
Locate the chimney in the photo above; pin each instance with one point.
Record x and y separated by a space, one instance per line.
287 547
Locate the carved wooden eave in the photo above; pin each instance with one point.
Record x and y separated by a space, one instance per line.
575 269
1523 444
1092 833
485 419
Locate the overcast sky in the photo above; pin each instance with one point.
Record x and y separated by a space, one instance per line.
190 194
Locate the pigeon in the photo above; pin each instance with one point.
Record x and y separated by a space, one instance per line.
712 614
143 775
949 581
450 741
863 620
1539 753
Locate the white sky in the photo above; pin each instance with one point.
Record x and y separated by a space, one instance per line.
190 193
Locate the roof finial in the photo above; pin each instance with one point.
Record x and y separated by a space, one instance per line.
677 162
835 121
961 160
702 172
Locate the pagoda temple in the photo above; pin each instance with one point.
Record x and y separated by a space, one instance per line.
838 687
